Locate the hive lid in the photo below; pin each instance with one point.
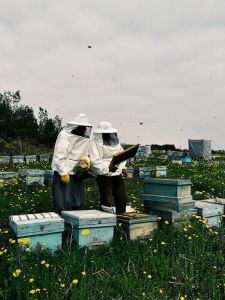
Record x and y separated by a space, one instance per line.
33 224
88 217
168 181
29 217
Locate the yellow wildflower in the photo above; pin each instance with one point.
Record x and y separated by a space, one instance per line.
32 291
47 265
84 273
163 243
75 281
43 262
149 276
161 291
17 273
62 285
38 290
167 222
31 280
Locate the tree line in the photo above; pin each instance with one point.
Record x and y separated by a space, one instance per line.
20 130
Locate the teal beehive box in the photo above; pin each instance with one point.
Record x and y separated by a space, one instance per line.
43 229
167 187
90 228
137 225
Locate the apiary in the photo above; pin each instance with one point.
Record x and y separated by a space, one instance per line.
30 158
42 229
90 228
8 177
137 225
19 159
32 176
48 177
211 211
5 159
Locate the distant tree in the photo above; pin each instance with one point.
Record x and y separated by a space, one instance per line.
163 147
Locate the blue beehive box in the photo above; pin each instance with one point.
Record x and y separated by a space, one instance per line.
90 227
44 230
186 159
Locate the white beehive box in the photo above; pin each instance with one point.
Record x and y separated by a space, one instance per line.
8 177
90 227
30 158
160 171
43 229
19 159
4 159
213 212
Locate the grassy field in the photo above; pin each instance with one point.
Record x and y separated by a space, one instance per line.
185 263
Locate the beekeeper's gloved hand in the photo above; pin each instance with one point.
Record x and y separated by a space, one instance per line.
85 163
65 179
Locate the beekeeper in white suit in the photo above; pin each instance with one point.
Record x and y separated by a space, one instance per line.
70 155
103 146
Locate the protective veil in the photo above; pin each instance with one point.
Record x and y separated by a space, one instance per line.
103 146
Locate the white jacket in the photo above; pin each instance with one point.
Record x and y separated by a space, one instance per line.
101 156
69 149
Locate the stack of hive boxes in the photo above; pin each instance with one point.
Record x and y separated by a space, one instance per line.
169 198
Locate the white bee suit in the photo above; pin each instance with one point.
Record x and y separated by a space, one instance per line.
101 156
103 146
70 148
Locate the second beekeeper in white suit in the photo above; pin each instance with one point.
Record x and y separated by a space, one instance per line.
103 146
70 155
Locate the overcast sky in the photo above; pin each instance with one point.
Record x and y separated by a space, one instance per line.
159 62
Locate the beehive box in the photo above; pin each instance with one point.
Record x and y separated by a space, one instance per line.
167 187
130 172
174 215
44 230
8 177
48 177
168 202
18 159
45 157
146 172
5 159
137 225
211 211
32 176
161 171
90 228
30 158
